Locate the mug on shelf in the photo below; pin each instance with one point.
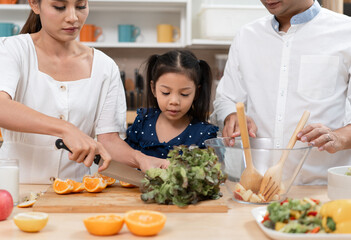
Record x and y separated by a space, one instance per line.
167 33
8 1
128 32
90 33
9 29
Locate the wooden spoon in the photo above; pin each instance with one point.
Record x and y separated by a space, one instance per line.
250 178
272 178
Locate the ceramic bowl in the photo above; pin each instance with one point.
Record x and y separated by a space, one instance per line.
339 183
264 156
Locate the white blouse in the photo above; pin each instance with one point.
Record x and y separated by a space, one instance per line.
96 105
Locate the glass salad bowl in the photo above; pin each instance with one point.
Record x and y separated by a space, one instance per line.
264 155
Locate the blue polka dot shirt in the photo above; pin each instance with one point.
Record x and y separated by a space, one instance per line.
142 134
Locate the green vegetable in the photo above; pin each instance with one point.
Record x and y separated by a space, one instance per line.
193 175
348 173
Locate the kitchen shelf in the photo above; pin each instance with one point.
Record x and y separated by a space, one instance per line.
133 45
205 43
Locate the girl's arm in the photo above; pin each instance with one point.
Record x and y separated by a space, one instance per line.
18 117
120 151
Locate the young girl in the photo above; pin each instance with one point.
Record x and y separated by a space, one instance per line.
52 86
178 102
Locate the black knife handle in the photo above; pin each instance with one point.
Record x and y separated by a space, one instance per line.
60 144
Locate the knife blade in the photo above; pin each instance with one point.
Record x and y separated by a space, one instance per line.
115 170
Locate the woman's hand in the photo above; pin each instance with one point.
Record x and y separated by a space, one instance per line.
322 137
84 148
231 127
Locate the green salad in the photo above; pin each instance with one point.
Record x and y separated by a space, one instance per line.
294 216
348 173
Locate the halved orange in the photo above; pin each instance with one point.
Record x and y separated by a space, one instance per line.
104 225
94 184
126 185
109 180
62 186
77 186
144 222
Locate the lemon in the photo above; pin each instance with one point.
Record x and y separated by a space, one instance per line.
31 221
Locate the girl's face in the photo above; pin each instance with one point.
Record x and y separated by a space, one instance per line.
62 19
175 94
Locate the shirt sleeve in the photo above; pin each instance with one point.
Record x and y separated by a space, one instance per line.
230 89
9 67
113 114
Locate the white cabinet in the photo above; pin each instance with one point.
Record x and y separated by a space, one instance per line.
146 14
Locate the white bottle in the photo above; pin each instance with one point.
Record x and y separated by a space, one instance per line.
9 178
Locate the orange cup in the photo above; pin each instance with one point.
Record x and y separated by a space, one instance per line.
89 33
8 1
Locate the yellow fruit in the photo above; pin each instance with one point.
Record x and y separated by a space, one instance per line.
31 221
93 184
144 222
62 186
109 180
26 204
104 225
126 185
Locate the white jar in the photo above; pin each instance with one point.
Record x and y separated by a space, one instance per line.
9 178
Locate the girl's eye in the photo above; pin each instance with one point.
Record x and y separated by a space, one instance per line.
185 95
165 93
60 8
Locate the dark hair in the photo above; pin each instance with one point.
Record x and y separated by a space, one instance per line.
33 23
183 62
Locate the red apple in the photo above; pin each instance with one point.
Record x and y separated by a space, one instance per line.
6 204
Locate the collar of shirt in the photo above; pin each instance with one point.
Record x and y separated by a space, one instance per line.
300 18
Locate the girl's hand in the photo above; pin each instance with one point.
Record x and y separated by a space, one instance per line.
322 137
231 127
146 162
84 148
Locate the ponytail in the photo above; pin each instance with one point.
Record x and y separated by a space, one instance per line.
202 101
151 65
33 23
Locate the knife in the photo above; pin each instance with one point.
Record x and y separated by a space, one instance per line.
115 170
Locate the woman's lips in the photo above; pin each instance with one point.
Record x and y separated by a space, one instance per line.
272 5
70 30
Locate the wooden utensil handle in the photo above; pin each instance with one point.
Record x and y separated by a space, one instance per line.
299 127
240 109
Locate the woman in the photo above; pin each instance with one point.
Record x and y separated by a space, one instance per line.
52 86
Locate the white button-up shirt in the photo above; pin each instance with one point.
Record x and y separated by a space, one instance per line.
279 75
96 105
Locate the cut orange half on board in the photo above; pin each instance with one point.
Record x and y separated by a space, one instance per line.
126 185
77 186
144 222
104 225
109 180
93 184
62 186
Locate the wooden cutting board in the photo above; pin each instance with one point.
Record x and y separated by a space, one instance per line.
116 199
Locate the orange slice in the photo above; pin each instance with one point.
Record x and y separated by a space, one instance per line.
104 225
93 184
126 185
144 222
77 186
62 186
109 180
26 204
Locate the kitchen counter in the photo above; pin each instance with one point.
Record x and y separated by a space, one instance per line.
238 223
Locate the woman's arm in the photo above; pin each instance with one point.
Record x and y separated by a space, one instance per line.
18 117
120 151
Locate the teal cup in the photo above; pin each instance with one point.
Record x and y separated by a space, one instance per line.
128 33
9 29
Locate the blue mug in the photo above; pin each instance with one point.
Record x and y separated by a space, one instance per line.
9 29
128 33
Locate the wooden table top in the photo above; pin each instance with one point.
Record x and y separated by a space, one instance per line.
237 223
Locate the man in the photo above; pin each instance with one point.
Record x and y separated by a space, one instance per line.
299 59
